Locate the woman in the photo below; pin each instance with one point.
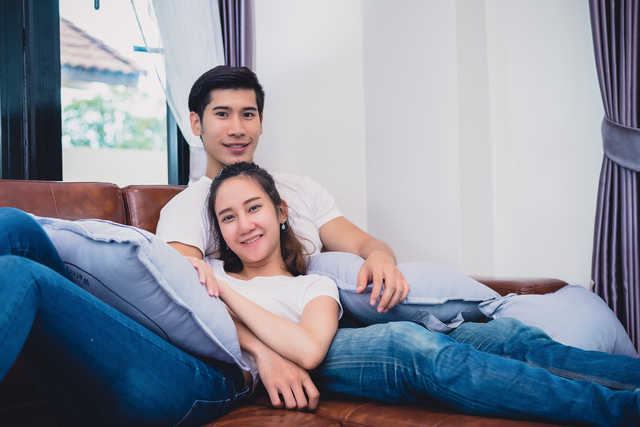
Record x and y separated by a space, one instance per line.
261 265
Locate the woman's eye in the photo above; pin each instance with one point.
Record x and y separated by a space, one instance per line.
226 218
254 208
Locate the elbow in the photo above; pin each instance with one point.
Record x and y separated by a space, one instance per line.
311 358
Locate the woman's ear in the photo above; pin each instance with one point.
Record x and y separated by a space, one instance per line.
283 212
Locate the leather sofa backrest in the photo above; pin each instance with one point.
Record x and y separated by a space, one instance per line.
137 205
144 202
66 200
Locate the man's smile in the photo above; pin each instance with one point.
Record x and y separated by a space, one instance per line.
236 145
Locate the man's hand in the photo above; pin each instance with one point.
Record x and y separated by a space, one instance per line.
287 384
206 276
380 268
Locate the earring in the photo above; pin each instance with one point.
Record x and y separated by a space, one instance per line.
283 226
227 247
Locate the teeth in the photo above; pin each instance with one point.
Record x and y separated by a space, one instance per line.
253 240
236 146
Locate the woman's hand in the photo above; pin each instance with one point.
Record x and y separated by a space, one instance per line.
288 384
214 286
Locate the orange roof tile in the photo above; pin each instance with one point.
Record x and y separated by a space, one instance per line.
80 50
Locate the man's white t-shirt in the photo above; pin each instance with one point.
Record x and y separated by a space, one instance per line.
184 219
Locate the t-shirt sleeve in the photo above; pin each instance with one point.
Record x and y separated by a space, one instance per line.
323 205
181 220
321 286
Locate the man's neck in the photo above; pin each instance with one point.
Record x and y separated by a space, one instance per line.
213 169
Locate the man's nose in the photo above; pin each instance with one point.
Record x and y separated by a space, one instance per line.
236 126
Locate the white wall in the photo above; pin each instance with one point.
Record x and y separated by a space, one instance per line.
465 133
413 172
546 112
309 60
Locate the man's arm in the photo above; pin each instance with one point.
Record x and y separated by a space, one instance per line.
341 235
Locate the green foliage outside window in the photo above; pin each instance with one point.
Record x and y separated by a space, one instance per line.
113 120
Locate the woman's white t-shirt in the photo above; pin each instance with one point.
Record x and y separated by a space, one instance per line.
282 295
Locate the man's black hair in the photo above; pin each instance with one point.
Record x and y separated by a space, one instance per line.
223 77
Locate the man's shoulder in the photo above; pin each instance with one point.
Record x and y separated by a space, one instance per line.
199 190
293 182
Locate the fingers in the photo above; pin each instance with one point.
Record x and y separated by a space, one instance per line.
396 290
205 276
294 397
274 396
300 398
312 393
363 280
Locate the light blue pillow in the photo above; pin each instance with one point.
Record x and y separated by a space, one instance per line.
572 316
440 299
143 277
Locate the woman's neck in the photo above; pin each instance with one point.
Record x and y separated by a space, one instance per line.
267 268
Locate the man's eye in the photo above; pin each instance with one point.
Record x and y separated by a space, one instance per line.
221 114
248 115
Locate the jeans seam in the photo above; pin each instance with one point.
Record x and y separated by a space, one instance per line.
582 377
20 251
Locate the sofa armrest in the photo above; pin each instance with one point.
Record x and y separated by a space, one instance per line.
521 285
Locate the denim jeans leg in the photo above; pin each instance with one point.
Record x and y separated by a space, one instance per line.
511 338
95 365
402 362
21 235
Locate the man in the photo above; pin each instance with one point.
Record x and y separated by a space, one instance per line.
226 105
398 361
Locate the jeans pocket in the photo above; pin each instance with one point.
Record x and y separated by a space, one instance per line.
203 412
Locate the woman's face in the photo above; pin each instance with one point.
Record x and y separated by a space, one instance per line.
249 222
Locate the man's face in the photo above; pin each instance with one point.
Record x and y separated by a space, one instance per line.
230 128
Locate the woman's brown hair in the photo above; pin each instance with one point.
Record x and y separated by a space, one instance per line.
293 252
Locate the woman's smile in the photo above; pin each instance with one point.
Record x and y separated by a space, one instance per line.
252 240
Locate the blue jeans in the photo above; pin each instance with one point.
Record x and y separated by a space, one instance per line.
402 362
94 365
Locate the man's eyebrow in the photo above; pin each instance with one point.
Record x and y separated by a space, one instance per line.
246 202
224 107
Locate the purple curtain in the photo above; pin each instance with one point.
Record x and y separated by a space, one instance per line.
616 251
237 32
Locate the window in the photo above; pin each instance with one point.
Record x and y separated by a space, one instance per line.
113 106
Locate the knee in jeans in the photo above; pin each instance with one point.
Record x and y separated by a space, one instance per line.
411 338
515 329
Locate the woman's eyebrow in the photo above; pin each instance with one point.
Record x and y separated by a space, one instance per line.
246 202
253 199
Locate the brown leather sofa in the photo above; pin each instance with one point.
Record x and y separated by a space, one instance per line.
139 205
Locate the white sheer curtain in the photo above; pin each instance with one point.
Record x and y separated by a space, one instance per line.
189 38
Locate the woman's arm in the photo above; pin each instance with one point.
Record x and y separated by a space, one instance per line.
305 344
286 383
